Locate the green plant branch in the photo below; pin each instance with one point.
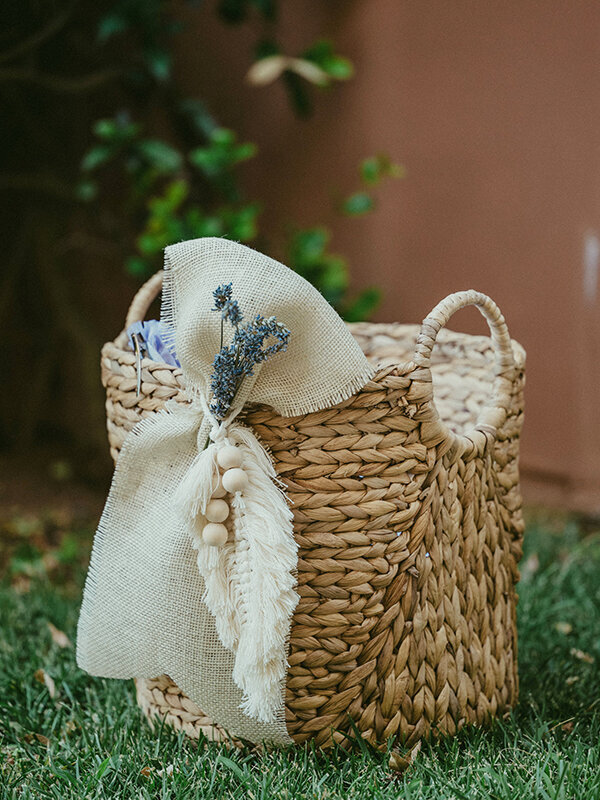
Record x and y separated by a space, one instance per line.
38 183
57 83
68 319
165 177
12 266
36 39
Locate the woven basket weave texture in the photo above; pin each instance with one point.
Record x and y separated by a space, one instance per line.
408 518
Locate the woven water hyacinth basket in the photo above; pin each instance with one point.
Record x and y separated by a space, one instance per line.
407 513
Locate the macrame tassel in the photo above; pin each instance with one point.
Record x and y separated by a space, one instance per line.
199 482
249 581
262 580
214 564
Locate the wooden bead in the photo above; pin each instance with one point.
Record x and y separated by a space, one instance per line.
220 491
217 511
229 457
235 480
214 534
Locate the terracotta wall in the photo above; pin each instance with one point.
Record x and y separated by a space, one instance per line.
494 109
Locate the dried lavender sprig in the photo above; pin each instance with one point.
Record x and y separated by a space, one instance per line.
222 294
236 361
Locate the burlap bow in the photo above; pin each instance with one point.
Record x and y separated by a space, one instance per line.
157 600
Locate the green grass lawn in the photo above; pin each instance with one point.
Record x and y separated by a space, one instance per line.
68 735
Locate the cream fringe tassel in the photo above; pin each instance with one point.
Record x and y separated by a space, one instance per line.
250 580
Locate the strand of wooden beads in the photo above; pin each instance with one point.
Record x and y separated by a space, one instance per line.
232 479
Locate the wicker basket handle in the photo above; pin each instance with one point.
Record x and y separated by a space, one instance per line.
143 299
493 414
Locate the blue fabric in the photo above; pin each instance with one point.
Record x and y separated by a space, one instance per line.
153 346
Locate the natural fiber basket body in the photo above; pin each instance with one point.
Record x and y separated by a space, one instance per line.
409 527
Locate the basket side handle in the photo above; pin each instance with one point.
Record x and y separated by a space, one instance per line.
143 299
493 414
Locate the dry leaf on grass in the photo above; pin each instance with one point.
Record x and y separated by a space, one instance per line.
59 637
564 627
567 727
530 566
401 763
42 677
31 737
146 772
50 562
21 584
581 656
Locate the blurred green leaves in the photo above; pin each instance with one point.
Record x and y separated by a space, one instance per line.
373 171
308 251
308 254
145 160
170 220
160 156
336 67
148 22
185 183
221 153
168 190
358 203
